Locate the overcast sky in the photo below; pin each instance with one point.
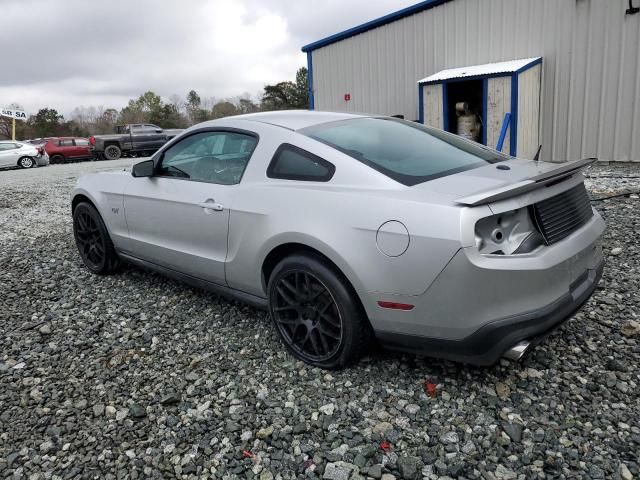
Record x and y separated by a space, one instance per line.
68 53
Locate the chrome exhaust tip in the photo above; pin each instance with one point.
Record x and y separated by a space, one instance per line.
518 351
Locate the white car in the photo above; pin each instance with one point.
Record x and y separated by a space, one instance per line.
25 155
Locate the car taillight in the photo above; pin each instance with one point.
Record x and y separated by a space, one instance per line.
41 150
92 140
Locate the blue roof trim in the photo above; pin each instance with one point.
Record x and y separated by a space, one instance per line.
378 22
312 103
537 61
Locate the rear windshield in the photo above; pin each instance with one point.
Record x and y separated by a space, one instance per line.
408 152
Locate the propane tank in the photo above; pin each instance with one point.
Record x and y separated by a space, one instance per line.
468 122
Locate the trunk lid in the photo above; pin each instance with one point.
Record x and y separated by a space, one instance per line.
502 180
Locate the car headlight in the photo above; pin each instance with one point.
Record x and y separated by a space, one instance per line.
508 233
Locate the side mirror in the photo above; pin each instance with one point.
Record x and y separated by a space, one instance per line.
143 169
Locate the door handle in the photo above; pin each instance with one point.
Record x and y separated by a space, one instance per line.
211 204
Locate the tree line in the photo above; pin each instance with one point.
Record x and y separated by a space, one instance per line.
176 112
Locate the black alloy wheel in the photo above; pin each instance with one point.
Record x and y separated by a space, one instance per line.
316 312
92 240
112 152
307 316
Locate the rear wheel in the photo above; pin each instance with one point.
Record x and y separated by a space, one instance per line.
26 162
316 313
112 152
93 241
57 158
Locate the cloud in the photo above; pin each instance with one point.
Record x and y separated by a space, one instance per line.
104 52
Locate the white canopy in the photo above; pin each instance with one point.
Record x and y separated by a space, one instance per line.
481 70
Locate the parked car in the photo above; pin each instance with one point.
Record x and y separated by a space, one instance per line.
65 149
348 227
21 154
140 139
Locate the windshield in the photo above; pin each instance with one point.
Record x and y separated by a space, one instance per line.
408 152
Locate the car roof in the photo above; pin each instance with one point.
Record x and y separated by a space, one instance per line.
296 119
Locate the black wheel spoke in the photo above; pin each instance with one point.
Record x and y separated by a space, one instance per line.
298 284
307 286
291 288
326 333
331 321
284 308
82 226
286 297
314 341
323 340
288 321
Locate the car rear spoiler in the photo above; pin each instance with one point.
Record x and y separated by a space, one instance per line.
557 174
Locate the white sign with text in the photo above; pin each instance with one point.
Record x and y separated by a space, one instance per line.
17 114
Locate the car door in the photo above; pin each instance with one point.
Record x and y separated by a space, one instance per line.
179 217
67 148
81 148
155 137
9 153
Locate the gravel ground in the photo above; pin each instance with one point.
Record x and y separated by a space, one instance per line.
137 376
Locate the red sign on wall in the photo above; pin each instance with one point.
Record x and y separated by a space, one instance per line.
347 97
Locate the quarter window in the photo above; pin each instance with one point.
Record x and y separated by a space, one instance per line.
214 157
293 163
81 142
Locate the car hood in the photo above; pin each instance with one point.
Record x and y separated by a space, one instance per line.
501 180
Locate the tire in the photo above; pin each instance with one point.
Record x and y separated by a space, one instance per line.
316 312
57 158
93 241
112 152
26 162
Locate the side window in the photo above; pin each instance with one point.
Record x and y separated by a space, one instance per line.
6 146
66 143
214 157
81 142
293 163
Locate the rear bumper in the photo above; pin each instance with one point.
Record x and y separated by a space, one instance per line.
486 345
42 160
481 305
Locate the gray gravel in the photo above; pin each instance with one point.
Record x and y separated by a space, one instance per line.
136 376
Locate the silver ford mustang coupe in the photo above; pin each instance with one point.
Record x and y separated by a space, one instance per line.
351 228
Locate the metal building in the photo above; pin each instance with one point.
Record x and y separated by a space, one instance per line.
589 80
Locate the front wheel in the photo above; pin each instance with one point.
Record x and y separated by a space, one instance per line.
93 241
316 312
26 162
112 152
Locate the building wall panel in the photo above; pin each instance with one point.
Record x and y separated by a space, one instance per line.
528 112
433 107
590 102
498 104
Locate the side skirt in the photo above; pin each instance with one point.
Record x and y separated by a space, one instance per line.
221 290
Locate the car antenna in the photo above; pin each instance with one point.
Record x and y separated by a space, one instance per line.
537 155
